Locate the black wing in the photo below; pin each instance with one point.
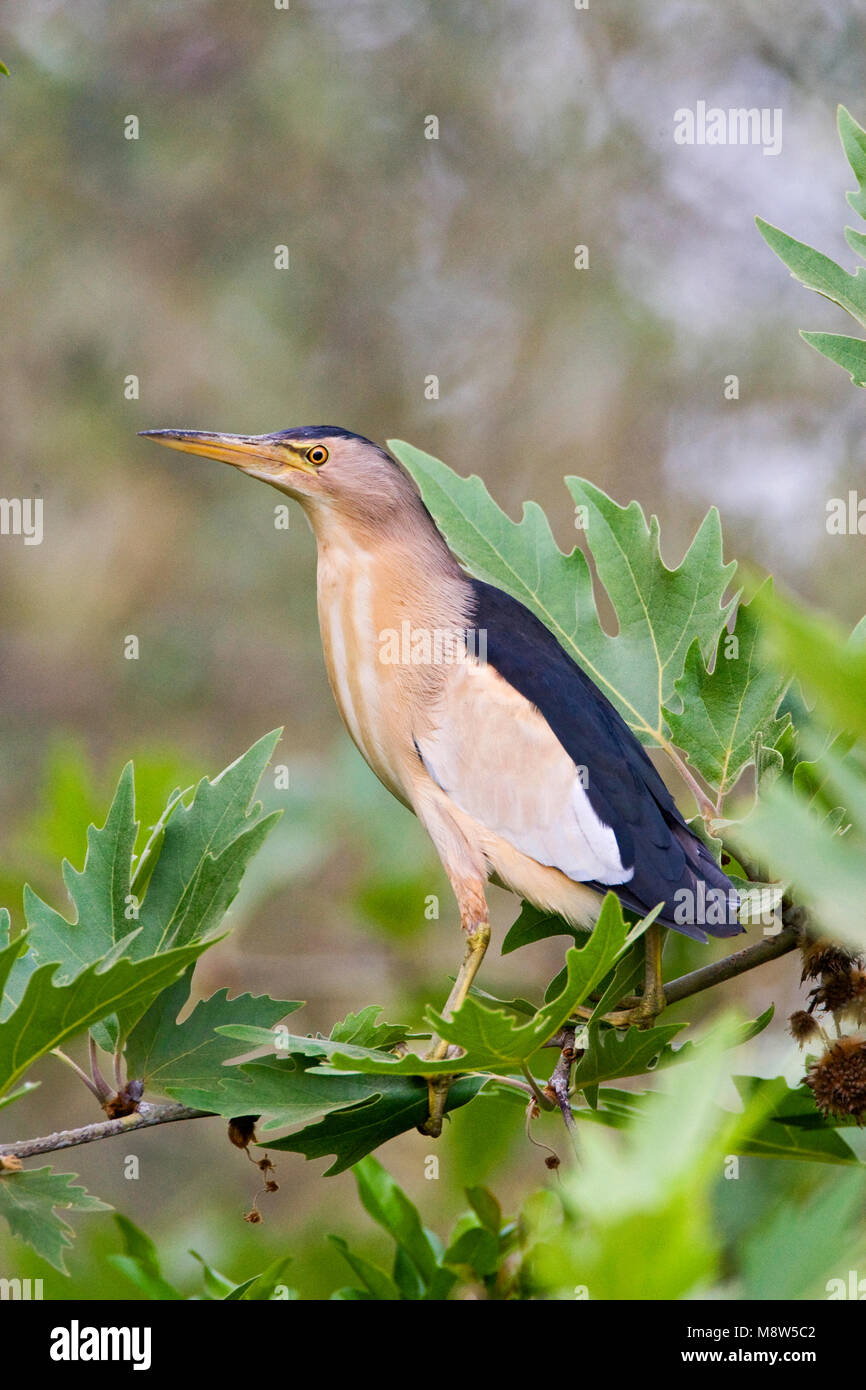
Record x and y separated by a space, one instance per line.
671 865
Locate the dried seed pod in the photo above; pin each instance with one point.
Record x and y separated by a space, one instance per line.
242 1130
823 957
802 1026
838 1079
838 991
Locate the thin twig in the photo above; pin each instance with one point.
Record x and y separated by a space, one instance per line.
513 1082
146 1116
79 1072
538 1094
751 956
101 1083
560 1081
705 805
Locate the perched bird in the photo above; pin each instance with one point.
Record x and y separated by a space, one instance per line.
470 712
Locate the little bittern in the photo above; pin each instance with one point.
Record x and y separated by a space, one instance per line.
469 711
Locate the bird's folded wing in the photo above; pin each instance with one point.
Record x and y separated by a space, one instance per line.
498 760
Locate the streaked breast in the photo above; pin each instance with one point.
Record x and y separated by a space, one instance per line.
350 640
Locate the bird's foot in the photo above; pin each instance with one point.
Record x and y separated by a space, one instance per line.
652 1001
647 1010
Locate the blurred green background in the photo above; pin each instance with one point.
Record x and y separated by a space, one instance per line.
409 257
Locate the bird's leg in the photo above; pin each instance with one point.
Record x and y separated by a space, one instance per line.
653 1000
477 941
473 912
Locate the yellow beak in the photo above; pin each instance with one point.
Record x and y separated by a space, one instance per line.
259 454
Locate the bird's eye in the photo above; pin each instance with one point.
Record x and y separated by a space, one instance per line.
318 455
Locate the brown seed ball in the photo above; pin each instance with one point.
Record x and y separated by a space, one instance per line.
242 1129
826 958
802 1026
837 992
838 1079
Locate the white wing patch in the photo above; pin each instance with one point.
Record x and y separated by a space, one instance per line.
497 758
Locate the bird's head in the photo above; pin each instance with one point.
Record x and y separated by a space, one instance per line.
331 472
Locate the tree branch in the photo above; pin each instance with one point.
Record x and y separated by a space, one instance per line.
146 1116
769 949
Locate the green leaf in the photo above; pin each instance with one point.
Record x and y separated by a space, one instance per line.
611 1054
660 611
518 1006
386 1202
476 1247
629 970
23 1090
216 1285
486 1208
284 1090
4 69
791 1253
140 1262
724 711
162 1052
287 1090
783 1133
293 1043
363 1030
535 924
30 1200
206 848
191 869
636 1215
811 777
50 1013
853 138
100 894
137 1244
829 663
294 1089
262 1288
769 762
377 1283
23 967
818 272
149 1285
150 854
827 868
846 352
398 1104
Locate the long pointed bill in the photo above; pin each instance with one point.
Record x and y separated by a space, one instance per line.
259 455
